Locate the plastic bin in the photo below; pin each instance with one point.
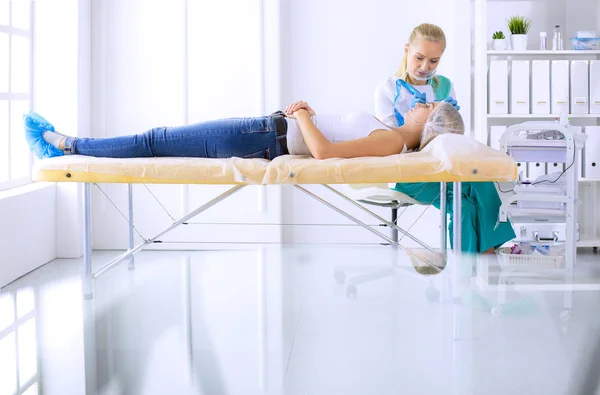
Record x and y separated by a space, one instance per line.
581 43
516 261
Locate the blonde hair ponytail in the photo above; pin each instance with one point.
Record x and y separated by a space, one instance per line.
427 32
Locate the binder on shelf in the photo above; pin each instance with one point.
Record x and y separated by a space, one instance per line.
579 87
540 87
519 87
498 83
592 152
559 91
595 87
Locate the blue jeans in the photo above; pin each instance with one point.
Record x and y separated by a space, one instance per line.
223 138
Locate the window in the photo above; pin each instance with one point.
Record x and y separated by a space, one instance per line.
18 343
15 91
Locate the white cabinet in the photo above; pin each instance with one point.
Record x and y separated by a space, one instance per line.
542 84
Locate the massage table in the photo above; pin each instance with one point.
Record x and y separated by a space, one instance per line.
448 158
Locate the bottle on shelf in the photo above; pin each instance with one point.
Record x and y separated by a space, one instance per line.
557 40
543 41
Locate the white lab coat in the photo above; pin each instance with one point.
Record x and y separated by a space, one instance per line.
384 100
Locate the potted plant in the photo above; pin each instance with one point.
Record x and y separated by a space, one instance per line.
518 27
498 41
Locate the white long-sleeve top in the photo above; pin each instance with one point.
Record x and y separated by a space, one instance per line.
384 100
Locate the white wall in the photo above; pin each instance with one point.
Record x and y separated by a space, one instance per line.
310 52
172 63
571 15
27 232
334 55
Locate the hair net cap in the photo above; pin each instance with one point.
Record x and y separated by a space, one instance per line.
443 119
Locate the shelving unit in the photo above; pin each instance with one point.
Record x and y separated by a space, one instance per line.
540 116
490 16
530 52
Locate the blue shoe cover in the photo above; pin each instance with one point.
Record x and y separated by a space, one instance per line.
35 126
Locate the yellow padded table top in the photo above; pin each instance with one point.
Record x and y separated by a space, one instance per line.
447 158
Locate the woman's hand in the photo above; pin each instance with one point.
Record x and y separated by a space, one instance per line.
418 98
298 114
299 105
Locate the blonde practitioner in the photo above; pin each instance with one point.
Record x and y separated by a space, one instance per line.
416 81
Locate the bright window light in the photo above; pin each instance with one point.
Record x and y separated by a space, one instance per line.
7 311
19 65
20 14
27 352
4 59
19 151
4 9
25 301
4 148
33 390
8 365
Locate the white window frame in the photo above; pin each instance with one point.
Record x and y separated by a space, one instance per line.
16 182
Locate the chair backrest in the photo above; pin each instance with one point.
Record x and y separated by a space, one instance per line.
380 194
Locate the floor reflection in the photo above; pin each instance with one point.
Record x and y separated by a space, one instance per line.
280 320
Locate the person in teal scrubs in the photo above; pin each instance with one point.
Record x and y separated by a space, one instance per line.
416 82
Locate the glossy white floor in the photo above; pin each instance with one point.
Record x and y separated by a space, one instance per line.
272 320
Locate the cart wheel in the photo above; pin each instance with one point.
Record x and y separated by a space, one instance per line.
432 294
340 277
565 315
351 291
496 310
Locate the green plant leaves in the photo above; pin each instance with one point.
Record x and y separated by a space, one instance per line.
498 35
518 24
